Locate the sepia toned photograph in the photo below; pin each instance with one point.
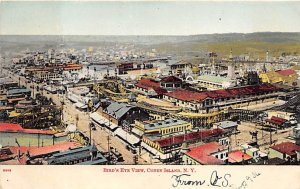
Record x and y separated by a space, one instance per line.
149 83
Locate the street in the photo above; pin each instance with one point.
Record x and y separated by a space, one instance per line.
263 137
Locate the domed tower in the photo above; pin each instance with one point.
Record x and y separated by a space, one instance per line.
212 56
231 70
267 56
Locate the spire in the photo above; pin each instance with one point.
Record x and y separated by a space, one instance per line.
267 56
231 67
230 55
264 68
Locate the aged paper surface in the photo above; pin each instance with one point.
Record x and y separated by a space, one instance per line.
78 177
61 19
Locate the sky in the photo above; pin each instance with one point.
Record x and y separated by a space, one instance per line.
147 18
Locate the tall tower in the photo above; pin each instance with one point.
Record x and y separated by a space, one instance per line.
230 71
264 69
212 56
230 56
267 56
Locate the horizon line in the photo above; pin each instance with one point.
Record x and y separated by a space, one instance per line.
186 35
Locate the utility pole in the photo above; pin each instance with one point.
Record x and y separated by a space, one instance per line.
77 118
270 136
94 75
62 109
262 131
108 147
90 127
235 138
38 140
33 91
150 158
135 159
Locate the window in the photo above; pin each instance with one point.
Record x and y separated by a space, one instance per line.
221 156
217 156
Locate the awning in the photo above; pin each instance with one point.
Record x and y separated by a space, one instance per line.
97 118
150 149
103 121
155 152
72 98
130 138
137 132
262 154
81 105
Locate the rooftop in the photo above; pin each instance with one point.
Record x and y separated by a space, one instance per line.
117 109
287 148
147 84
203 134
6 80
286 72
60 147
276 120
202 153
187 95
214 79
17 91
159 90
248 147
238 156
227 124
17 128
164 124
171 79
80 90
15 99
76 154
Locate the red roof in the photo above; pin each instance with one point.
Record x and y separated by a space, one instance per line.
16 99
276 120
238 156
202 153
286 148
189 137
5 154
13 151
72 66
6 107
151 84
160 90
147 84
187 95
286 72
17 128
171 79
53 148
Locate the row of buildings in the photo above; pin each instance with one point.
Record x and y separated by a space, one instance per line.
44 147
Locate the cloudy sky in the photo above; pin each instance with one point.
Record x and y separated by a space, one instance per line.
147 18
